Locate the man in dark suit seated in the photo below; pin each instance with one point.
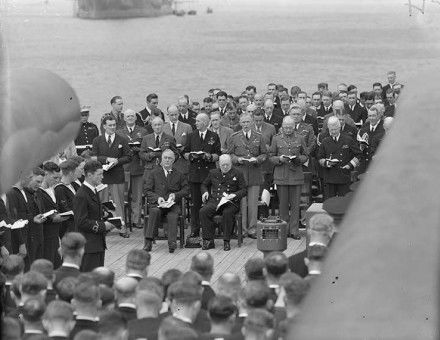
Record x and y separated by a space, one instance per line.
125 289
46 201
88 217
58 320
320 232
163 186
112 151
72 251
149 296
86 302
203 264
225 183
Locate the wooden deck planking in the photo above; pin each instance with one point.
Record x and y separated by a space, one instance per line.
162 260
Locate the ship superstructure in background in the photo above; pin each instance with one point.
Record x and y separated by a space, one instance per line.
114 9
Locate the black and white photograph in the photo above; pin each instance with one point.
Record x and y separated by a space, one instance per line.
219 169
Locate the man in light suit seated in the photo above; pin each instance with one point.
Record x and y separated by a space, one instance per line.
164 186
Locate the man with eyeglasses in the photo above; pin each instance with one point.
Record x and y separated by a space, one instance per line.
87 132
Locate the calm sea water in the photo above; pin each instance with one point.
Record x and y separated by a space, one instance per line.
243 42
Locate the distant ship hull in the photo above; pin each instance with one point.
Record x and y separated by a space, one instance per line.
120 9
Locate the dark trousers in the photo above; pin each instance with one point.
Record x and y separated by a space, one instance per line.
331 189
207 213
196 197
155 215
50 251
91 261
34 248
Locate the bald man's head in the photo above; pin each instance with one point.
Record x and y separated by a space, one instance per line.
125 288
203 264
202 122
229 284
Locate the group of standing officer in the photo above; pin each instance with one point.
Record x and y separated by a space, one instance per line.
273 141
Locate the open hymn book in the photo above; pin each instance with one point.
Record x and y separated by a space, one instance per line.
108 166
225 199
291 158
16 225
166 204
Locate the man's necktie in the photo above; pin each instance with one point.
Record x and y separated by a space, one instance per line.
109 141
334 138
173 129
202 136
157 141
247 135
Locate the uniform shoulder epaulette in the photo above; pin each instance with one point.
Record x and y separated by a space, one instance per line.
258 133
237 132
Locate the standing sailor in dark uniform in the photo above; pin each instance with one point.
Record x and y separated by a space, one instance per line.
88 217
288 173
65 192
35 240
222 182
87 132
46 201
202 150
338 154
